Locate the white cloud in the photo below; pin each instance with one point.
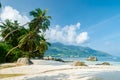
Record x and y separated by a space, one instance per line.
68 35
82 37
10 13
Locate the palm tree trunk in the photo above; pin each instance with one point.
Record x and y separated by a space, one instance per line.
11 50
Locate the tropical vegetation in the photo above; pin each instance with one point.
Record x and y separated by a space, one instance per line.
18 41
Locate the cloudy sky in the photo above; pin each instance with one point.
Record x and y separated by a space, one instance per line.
91 23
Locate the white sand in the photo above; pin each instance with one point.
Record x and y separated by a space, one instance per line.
51 70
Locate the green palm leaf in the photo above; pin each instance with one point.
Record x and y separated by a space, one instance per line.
0 5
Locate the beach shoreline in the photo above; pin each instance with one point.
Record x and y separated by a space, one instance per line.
54 70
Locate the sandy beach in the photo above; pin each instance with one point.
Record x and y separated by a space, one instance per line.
53 70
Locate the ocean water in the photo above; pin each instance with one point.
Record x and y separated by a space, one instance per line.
112 60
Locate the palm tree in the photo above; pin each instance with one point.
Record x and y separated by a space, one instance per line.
11 31
42 47
40 21
6 27
33 40
38 25
34 44
28 42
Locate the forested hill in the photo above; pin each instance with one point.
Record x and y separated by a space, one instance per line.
61 50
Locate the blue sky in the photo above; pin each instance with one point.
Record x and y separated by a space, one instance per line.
94 23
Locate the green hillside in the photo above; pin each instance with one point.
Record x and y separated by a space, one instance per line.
60 50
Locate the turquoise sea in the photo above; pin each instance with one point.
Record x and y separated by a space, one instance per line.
112 60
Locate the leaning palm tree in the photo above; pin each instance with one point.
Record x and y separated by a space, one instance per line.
40 24
28 42
6 27
10 31
40 21
32 41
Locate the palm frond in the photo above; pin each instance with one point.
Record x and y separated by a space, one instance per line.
39 12
0 5
1 26
44 12
48 44
33 13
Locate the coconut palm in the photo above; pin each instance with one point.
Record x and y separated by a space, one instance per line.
29 41
34 44
33 40
6 27
11 31
39 25
43 46
40 21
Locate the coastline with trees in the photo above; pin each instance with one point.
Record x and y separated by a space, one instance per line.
28 42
